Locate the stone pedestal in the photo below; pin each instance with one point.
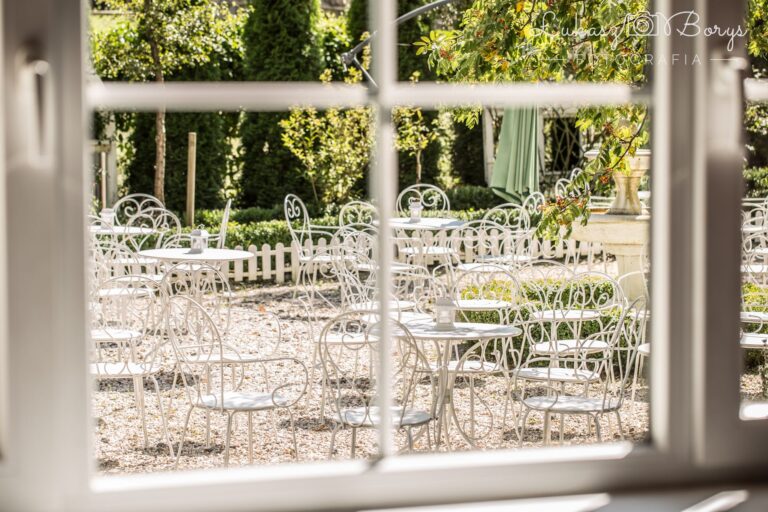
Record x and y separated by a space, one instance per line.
624 236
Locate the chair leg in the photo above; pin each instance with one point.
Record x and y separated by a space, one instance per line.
207 428
293 434
354 441
638 370
183 435
333 440
228 438
409 435
597 428
138 390
250 437
313 369
522 426
547 427
619 425
162 416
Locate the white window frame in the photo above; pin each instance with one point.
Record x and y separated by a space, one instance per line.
47 452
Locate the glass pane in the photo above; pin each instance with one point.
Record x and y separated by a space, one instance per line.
235 306
754 386
537 320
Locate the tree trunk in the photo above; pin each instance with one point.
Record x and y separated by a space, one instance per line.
159 189
418 167
153 23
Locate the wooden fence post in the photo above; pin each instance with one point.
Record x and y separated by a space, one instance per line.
191 162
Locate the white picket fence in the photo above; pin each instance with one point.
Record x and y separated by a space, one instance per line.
281 263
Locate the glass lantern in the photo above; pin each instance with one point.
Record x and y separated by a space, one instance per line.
107 216
415 207
445 314
199 241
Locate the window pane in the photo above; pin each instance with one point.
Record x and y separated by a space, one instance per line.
255 330
540 323
754 387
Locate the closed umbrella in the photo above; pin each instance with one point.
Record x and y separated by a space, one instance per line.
516 169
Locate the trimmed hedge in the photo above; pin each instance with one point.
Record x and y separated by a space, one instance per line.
470 197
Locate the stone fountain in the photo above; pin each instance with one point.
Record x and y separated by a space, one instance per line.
624 229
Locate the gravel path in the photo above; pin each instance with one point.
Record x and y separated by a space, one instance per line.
119 441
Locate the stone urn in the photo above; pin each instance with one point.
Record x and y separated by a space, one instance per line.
623 230
627 201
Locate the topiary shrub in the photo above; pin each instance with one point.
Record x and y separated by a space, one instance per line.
282 43
213 151
467 154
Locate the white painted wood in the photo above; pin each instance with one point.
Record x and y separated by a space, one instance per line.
253 263
266 262
280 263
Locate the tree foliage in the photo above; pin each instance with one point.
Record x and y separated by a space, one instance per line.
191 33
160 38
334 145
584 40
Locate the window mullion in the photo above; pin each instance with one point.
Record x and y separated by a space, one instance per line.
383 183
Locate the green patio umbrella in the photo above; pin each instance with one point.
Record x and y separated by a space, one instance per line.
516 169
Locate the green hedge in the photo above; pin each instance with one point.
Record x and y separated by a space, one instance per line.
756 181
470 197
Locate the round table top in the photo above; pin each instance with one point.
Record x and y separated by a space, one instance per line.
100 229
426 223
760 251
754 341
751 228
184 254
462 331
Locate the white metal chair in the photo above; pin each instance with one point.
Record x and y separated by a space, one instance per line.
432 198
216 378
609 371
350 366
134 204
125 339
587 297
357 212
204 283
221 237
159 224
311 258
518 241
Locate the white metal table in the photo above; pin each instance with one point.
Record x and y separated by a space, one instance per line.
426 223
426 330
101 229
206 256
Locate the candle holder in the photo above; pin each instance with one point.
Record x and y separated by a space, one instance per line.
415 207
445 314
107 216
199 239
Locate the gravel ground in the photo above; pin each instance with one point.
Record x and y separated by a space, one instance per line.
118 435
